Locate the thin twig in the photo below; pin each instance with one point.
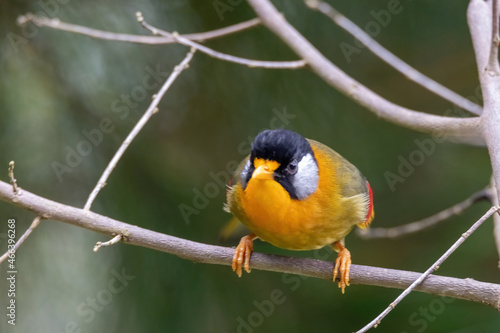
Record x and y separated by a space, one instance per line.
13 180
34 224
32 227
391 59
167 38
219 55
493 65
152 109
403 230
467 289
55 23
431 269
114 240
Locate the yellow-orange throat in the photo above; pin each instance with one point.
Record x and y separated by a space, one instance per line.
265 200
271 212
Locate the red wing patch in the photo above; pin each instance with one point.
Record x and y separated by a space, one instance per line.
371 213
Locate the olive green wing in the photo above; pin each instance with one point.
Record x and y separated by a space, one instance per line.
351 180
353 185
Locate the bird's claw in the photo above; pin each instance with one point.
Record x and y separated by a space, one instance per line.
241 257
342 265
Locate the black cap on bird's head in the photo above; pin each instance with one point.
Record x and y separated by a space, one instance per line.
280 145
296 169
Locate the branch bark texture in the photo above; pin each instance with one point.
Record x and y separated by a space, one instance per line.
391 59
331 74
466 289
483 20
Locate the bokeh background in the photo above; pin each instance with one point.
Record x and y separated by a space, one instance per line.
56 85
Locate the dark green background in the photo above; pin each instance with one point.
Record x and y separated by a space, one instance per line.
54 85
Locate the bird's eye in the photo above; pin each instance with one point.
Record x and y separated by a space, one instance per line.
292 167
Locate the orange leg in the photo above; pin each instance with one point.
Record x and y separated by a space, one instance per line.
241 257
342 264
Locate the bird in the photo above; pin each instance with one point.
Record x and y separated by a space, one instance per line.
298 194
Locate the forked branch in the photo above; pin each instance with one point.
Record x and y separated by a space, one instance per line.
430 270
391 59
466 289
331 74
219 55
57 24
16 190
167 38
152 109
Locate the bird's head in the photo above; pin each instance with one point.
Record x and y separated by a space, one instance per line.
284 157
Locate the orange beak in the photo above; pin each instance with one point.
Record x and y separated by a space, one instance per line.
264 169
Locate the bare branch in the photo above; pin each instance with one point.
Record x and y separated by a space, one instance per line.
413 227
493 65
32 227
479 18
220 55
13 180
496 217
431 269
167 38
483 17
347 85
59 25
467 289
34 224
114 240
152 109
391 59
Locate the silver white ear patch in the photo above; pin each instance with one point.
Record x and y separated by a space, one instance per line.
306 179
244 174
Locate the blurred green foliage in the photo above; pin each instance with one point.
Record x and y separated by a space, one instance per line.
57 85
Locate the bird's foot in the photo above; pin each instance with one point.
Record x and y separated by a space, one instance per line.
241 257
342 266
